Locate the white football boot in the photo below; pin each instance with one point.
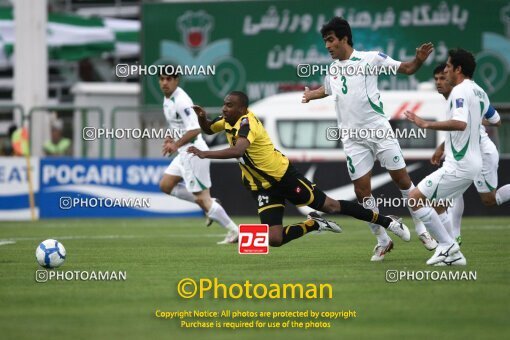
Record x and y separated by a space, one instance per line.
456 259
380 251
232 237
428 242
400 229
324 225
442 252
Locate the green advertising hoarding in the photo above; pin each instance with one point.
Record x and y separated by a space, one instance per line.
258 46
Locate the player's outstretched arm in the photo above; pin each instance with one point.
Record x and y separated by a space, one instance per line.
235 151
187 137
315 94
446 125
422 53
205 124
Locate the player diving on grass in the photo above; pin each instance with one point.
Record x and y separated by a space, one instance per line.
358 107
487 180
177 107
272 180
466 106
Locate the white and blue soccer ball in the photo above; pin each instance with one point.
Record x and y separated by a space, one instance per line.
50 253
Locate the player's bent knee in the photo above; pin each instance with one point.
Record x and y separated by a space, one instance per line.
275 243
275 236
165 187
362 193
202 201
199 200
401 178
415 195
330 206
489 201
404 182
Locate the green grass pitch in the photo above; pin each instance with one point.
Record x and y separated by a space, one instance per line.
156 254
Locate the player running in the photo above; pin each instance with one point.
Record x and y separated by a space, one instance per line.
487 181
358 107
177 107
467 104
271 178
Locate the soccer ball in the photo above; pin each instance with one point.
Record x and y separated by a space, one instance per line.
50 253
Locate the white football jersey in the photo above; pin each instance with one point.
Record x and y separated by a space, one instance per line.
467 103
355 89
181 117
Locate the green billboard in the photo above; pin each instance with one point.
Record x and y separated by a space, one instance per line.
256 46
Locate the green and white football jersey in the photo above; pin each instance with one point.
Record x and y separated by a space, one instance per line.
467 103
353 82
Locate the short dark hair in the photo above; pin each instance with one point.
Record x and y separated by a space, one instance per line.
242 97
439 69
464 59
340 27
169 71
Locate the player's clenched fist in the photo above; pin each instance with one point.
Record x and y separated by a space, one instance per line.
199 111
169 146
196 151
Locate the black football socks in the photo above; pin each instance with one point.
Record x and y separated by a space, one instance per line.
295 231
357 211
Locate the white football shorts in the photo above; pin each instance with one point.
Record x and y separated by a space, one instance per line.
361 155
443 184
193 170
487 180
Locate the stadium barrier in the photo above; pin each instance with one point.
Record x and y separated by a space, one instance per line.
149 117
73 187
79 187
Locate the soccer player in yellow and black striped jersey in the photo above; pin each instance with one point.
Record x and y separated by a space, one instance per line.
270 177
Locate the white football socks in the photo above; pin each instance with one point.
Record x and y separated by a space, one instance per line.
455 212
503 194
447 223
434 226
180 191
418 225
379 232
218 214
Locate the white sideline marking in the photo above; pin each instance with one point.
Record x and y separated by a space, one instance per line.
104 237
5 242
487 227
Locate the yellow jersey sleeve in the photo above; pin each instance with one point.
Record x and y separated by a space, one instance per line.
248 129
218 124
